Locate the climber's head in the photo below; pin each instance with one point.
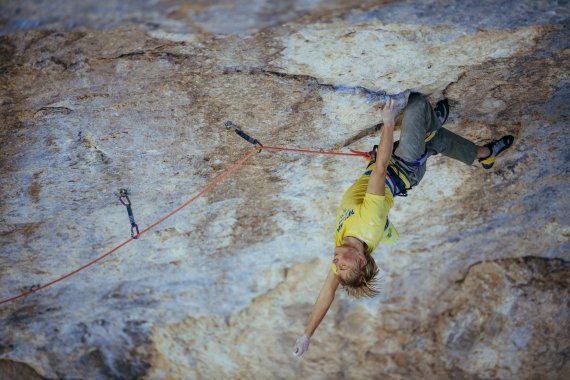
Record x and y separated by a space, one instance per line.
356 271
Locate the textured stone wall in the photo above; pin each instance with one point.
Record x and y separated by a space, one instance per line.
98 96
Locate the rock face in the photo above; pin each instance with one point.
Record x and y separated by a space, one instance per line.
98 96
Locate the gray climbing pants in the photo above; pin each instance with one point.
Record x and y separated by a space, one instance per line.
419 119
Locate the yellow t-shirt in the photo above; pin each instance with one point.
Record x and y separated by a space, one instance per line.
363 215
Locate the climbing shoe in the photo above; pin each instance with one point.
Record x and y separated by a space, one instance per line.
442 110
496 147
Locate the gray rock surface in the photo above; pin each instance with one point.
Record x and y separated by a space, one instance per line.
98 96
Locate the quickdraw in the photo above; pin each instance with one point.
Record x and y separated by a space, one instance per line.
230 125
124 198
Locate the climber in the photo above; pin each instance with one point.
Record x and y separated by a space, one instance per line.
362 218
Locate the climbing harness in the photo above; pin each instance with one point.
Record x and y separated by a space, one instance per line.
398 175
392 181
124 198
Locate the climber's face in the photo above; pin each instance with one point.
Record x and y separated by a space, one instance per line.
346 259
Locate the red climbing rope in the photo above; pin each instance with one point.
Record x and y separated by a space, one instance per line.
357 153
205 190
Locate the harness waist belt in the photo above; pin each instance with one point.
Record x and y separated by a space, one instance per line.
392 185
397 174
400 186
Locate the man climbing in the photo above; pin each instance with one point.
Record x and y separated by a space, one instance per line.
362 218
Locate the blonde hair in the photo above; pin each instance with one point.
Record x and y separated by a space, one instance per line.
361 280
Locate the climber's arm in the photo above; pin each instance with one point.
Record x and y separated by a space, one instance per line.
324 301
378 176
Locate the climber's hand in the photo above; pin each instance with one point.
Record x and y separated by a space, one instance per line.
301 346
389 112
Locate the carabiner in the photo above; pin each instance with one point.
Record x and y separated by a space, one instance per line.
123 194
133 231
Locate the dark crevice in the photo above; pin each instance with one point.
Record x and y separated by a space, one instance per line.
44 111
461 76
525 260
261 71
370 131
74 65
131 54
298 77
176 57
372 95
59 62
467 271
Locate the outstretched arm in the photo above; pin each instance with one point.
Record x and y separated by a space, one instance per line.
324 301
378 176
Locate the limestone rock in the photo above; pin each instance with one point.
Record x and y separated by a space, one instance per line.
99 96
